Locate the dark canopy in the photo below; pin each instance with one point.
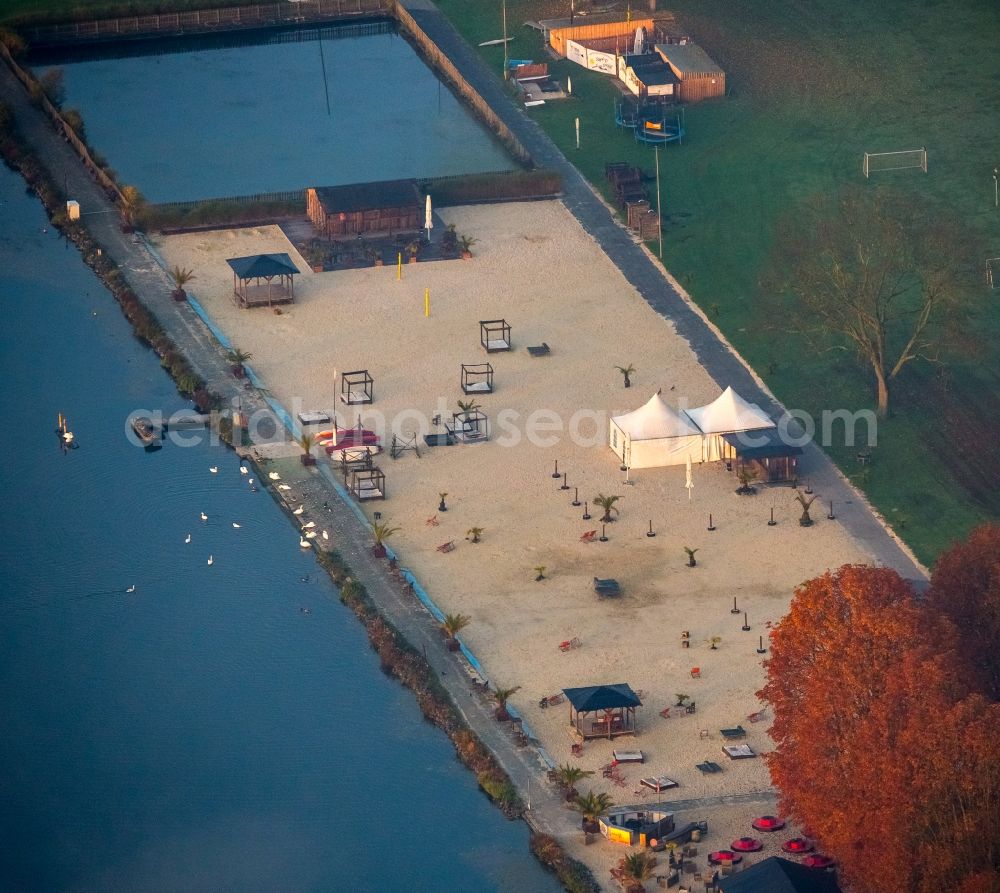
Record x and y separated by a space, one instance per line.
369 196
777 875
761 444
602 697
262 266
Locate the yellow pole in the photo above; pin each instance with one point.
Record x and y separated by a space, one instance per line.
427 302
399 266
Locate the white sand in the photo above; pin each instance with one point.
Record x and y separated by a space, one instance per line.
536 267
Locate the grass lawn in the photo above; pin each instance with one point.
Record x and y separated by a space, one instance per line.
813 86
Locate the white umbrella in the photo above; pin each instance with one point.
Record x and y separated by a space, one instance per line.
690 481
428 222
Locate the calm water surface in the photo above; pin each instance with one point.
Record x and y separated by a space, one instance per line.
203 733
221 121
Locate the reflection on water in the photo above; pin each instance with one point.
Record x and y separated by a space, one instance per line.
222 120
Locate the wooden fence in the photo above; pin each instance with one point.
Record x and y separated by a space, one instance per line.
204 20
447 68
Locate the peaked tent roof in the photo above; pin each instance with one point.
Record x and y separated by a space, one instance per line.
262 266
777 875
655 420
602 697
729 412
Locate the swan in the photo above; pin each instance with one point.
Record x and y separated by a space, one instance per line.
250 482
204 517
284 487
326 536
187 539
211 560
303 542
299 510
309 525
244 470
131 588
237 526
311 535
214 469
274 476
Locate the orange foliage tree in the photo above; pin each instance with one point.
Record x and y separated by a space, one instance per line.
965 587
867 693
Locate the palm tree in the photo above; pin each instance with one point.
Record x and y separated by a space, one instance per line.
590 806
746 476
805 502
636 868
381 531
452 625
441 506
627 371
608 504
568 775
465 244
502 695
132 202
539 573
690 555
307 442
467 406
473 533
237 358
180 277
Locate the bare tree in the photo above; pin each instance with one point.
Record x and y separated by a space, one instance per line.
881 276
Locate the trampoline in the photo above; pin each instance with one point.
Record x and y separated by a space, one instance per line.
659 132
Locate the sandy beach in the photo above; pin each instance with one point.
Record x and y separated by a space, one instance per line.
535 267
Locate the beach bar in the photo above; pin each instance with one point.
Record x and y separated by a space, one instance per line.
602 711
263 279
391 206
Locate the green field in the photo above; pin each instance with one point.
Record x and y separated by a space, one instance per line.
812 86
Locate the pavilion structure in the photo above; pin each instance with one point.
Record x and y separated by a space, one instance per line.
263 279
603 711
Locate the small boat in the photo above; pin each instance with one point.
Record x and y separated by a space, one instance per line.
144 430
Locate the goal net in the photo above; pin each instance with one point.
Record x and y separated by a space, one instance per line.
895 161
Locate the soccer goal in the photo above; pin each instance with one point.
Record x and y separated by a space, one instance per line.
993 272
895 161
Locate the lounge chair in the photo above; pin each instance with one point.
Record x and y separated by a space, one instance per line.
665 713
569 644
739 751
658 783
446 547
627 756
606 587
757 717
589 536
708 767
696 672
540 351
733 734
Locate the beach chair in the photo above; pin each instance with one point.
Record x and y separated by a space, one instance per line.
757 717
696 672
733 734
447 547
555 699
708 767
589 536
540 350
576 749
665 713
739 751
606 587
690 708
569 644
432 521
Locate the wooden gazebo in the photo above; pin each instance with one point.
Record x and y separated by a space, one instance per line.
603 711
477 378
263 279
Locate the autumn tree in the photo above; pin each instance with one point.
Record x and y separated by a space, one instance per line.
965 586
877 277
864 682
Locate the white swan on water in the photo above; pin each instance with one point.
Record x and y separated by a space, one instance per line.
187 539
244 470
131 588
214 469
211 560
204 517
303 542
237 526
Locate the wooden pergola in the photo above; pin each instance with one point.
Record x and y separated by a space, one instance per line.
263 279
477 378
603 711
368 483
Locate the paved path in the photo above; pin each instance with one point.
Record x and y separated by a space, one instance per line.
649 279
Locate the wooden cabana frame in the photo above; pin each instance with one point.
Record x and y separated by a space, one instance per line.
263 280
368 483
477 378
357 387
354 459
472 426
494 335
603 711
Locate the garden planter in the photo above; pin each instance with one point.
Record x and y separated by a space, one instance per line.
307 459
238 370
590 827
179 295
466 255
454 645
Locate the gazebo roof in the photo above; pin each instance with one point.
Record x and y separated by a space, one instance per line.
369 196
602 697
760 444
777 875
262 266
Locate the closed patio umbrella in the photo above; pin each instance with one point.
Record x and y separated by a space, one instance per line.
428 222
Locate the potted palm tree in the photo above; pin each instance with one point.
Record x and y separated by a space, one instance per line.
540 573
237 358
451 626
627 371
690 555
307 442
502 696
412 249
568 775
805 502
180 277
465 244
474 533
746 478
590 806
381 531
636 868
607 503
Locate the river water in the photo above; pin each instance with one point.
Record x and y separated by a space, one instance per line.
202 733
200 118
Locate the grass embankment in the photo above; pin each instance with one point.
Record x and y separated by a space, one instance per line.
812 87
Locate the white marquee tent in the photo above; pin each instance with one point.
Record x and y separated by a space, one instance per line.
654 435
728 413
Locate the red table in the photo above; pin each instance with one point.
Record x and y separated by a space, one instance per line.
817 861
727 857
747 845
768 823
797 845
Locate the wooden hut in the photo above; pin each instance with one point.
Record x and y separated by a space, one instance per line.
592 27
391 206
699 77
263 279
602 711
